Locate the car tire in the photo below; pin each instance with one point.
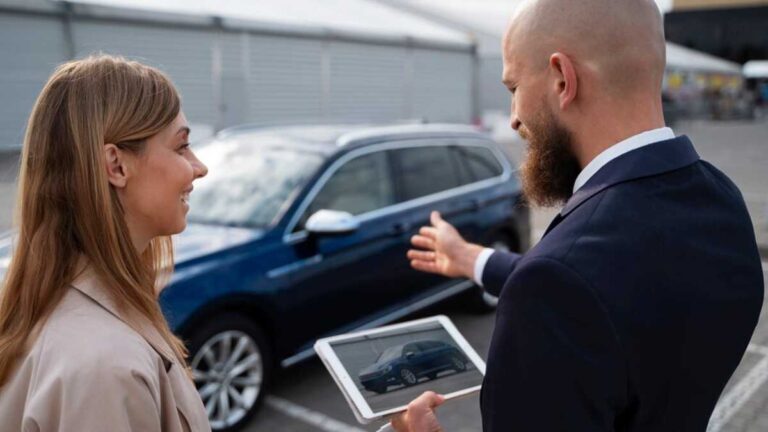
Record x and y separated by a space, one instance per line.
229 355
478 299
458 364
407 377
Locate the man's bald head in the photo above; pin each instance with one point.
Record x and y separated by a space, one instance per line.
619 42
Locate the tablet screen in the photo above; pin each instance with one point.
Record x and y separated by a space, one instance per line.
392 368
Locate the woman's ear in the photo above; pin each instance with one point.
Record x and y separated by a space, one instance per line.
115 162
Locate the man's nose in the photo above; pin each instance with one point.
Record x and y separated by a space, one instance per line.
514 122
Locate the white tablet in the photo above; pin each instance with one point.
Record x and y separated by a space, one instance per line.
381 370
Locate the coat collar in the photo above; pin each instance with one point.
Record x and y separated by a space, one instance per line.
653 159
89 284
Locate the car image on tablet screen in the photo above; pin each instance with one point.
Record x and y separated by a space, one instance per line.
407 364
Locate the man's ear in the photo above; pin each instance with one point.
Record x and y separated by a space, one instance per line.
115 162
566 83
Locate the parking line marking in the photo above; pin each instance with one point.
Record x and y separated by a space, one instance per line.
314 418
741 392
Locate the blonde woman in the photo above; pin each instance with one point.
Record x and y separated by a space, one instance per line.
106 172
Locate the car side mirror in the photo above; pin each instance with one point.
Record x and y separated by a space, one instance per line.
332 222
409 355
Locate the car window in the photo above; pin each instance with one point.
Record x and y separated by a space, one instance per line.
390 353
250 180
425 346
430 345
480 162
361 185
425 170
411 347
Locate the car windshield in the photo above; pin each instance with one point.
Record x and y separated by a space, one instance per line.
250 183
389 354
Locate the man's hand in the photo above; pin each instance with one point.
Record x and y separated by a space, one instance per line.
443 250
420 416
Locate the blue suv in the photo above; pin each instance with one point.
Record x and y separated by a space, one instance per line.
301 232
406 364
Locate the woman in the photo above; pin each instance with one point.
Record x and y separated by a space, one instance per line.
106 173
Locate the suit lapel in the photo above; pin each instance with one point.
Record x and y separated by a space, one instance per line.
654 159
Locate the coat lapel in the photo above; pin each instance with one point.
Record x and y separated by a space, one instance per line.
651 160
88 284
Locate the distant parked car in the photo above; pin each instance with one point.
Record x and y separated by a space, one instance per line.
301 232
406 364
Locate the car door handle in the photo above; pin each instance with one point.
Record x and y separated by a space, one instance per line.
400 228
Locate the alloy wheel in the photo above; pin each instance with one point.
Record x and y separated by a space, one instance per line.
228 371
408 377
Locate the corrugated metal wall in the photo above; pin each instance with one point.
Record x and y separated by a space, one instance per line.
30 49
228 77
493 95
185 55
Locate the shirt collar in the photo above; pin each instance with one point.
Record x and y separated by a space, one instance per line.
614 151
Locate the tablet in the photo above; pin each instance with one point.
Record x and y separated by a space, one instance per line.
380 371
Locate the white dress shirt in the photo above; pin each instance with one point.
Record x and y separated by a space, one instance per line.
632 143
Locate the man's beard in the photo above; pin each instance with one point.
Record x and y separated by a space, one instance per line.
550 168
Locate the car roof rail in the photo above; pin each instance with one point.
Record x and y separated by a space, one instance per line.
255 126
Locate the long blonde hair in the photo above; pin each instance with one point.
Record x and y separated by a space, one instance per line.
66 207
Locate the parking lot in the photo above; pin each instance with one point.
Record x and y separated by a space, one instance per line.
305 398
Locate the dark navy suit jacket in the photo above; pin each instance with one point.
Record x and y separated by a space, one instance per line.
634 309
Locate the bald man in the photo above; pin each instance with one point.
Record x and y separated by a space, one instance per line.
638 303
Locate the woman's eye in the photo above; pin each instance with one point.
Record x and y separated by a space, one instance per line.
183 147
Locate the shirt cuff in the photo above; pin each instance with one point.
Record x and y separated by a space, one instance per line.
480 263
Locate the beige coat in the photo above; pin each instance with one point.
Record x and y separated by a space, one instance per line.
88 371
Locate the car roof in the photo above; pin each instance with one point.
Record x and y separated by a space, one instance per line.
333 138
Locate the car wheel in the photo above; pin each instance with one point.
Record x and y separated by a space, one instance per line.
458 365
231 367
480 300
407 377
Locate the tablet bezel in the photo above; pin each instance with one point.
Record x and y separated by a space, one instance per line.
362 410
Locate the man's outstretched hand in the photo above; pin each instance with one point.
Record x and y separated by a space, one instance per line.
442 250
420 416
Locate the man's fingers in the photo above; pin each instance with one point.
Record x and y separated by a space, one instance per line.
398 423
428 232
435 218
427 400
421 255
422 242
425 266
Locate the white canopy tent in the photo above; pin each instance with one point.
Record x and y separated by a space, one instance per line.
756 69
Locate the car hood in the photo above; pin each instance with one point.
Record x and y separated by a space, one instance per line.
198 240
376 367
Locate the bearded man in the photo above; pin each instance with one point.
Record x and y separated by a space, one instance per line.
637 305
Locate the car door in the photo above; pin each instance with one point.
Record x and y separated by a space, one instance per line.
430 177
345 278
